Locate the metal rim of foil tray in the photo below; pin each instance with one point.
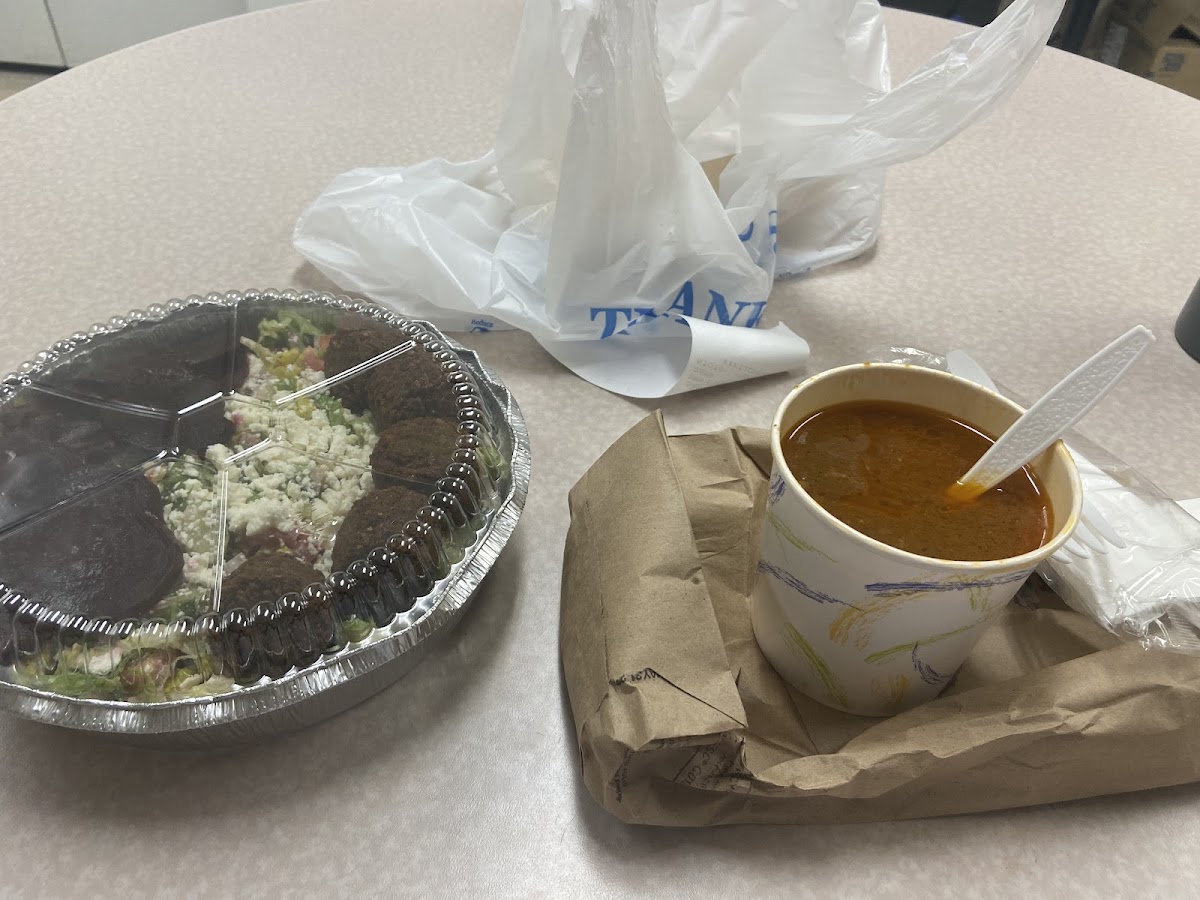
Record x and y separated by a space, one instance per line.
338 680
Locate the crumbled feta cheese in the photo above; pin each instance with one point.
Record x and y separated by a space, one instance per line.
294 488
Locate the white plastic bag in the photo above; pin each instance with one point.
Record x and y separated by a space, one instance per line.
593 226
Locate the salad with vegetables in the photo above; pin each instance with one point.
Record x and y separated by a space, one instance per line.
292 469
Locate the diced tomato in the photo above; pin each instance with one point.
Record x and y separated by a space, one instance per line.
312 360
305 547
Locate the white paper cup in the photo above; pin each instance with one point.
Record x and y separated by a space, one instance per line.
859 625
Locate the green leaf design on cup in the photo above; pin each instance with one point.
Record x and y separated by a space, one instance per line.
883 656
856 623
979 596
784 532
818 666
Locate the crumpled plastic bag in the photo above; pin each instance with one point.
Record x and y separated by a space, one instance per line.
594 223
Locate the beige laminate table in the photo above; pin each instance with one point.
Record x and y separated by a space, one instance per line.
179 167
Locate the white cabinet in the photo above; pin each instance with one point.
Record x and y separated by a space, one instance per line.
91 28
70 32
27 35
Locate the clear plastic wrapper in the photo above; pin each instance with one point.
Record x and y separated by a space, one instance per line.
223 491
1147 590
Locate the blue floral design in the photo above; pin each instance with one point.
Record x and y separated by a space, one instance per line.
890 588
928 674
775 491
797 585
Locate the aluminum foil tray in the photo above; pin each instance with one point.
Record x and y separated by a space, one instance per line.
242 513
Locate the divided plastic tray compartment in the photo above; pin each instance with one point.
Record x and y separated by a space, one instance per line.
144 464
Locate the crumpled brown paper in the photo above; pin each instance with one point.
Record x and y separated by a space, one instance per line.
682 721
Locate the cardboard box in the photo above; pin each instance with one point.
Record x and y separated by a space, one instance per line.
1157 39
1156 21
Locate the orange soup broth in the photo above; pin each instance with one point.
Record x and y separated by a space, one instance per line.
883 468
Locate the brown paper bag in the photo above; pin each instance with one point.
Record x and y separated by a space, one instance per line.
682 721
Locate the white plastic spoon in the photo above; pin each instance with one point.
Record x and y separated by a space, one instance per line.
1048 419
1094 532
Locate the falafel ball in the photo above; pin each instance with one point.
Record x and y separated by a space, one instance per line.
266 577
52 448
107 554
179 363
411 386
345 351
415 449
373 519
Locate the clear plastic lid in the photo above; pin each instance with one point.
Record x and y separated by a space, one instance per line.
217 491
